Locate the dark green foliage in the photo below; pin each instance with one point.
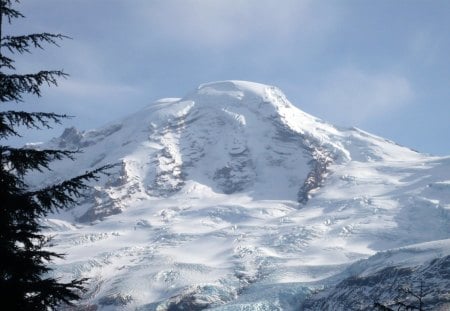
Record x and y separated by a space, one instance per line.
22 43
36 120
12 86
25 281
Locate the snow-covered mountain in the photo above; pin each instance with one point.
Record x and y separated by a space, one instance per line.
231 198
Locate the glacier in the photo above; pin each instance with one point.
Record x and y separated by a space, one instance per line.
232 198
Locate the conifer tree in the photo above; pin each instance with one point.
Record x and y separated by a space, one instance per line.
25 279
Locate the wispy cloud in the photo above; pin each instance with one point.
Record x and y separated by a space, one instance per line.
94 100
217 23
425 47
83 88
353 96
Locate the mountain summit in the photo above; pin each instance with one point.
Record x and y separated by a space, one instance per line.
234 199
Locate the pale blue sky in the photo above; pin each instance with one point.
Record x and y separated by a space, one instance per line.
382 66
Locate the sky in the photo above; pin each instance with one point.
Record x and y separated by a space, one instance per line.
382 66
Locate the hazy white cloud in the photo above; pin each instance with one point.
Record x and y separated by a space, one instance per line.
81 88
425 46
352 96
95 100
218 23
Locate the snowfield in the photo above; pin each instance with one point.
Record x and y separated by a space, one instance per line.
231 198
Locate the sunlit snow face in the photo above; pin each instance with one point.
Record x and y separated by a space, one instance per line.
234 197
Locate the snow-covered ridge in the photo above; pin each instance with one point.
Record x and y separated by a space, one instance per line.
233 198
271 148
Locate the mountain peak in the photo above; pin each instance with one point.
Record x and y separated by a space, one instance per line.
232 197
238 93
238 87
228 136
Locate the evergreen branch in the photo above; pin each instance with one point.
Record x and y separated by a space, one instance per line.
51 292
21 160
6 62
21 44
67 192
7 11
37 120
11 184
12 86
26 233
24 260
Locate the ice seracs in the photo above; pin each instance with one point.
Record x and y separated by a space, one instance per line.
232 198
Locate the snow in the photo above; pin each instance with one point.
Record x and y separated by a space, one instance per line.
204 207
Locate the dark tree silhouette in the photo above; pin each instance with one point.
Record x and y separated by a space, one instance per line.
25 281
403 301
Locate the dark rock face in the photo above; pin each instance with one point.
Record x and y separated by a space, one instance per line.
388 287
168 177
101 206
236 176
319 165
72 138
99 201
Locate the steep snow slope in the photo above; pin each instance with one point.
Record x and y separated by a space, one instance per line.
232 198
